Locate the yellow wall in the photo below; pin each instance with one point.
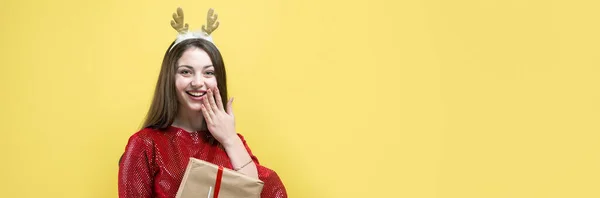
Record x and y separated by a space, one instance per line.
430 98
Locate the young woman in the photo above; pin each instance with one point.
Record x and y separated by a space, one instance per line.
190 116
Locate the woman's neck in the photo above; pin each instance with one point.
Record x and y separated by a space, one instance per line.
190 121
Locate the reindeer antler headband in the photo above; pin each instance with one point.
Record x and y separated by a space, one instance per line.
181 27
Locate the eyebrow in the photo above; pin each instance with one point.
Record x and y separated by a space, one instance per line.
190 67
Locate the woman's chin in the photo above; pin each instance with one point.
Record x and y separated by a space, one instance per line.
194 107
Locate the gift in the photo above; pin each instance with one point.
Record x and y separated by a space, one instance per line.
203 179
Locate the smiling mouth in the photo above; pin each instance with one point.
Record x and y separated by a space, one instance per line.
196 93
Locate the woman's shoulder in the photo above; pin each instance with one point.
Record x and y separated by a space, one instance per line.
147 135
140 143
143 136
153 135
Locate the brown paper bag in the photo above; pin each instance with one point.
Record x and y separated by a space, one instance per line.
201 181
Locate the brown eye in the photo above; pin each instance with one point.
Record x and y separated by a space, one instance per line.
185 72
210 73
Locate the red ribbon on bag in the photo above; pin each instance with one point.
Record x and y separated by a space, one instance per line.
218 182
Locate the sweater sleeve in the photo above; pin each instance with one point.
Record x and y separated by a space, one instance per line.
273 187
135 168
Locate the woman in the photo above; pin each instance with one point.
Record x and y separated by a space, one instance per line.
190 116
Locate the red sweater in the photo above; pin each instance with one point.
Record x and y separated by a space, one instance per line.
154 163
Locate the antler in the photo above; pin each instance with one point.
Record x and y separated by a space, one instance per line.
212 22
177 22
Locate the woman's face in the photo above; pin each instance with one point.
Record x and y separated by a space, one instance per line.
195 74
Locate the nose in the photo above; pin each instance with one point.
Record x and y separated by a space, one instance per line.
197 81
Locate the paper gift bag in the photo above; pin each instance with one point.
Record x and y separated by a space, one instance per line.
206 180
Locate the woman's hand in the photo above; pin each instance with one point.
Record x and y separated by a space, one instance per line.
220 123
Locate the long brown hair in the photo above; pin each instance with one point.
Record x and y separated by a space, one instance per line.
165 105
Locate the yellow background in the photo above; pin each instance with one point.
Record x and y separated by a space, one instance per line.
430 98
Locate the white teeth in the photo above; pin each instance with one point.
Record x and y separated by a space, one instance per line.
196 94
